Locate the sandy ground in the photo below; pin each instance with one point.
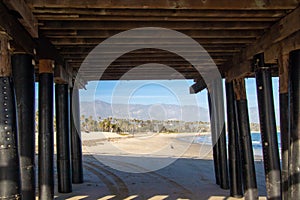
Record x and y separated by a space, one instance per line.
149 166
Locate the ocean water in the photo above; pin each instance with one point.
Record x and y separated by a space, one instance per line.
255 136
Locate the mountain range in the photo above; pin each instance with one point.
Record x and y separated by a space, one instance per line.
154 112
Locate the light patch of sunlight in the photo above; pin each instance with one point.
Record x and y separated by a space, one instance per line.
159 197
77 197
107 197
131 197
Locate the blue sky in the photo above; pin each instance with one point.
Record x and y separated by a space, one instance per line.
157 92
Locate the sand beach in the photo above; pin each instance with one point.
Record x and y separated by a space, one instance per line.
149 166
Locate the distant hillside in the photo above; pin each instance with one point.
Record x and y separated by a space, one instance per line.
144 112
254 115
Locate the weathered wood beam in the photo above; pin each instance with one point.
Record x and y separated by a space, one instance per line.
21 37
125 25
92 77
98 63
146 55
5 61
210 48
280 30
192 33
61 75
198 86
149 41
28 20
282 37
240 13
207 47
46 50
15 30
64 17
152 58
168 4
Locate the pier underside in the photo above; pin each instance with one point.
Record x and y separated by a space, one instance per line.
72 42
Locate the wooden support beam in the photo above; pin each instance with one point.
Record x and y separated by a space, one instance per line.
248 168
61 75
15 30
167 4
125 25
196 34
46 50
23 39
141 42
27 18
46 66
284 105
283 66
76 12
283 36
5 66
63 17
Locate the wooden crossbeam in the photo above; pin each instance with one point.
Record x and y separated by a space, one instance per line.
283 36
78 12
125 25
168 4
20 36
15 30
103 34
149 18
142 42
27 18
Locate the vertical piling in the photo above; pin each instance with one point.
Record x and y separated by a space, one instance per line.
63 138
10 185
284 124
218 129
46 143
295 126
215 143
24 81
235 170
268 127
248 168
76 149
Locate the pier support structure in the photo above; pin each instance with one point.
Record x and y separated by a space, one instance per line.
284 105
295 124
63 138
76 149
268 127
218 131
248 168
10 185
24 82
216 153
235 170
46 139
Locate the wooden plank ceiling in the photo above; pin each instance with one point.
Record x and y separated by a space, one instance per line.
223 27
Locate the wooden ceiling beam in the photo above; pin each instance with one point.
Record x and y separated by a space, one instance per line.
125 25
167 4
241 13
23 40
64 17
214 54
192 33
142 42
285 31
220 48
27 19
10 25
